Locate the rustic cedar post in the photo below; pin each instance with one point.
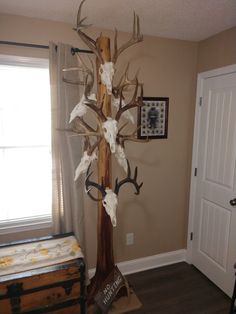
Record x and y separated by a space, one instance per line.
105 258
102 108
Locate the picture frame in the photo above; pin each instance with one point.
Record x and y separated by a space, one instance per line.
153 118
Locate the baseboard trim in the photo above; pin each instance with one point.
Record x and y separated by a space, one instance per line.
149 262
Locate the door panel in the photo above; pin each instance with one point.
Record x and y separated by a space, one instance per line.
220 154
214 241
214 233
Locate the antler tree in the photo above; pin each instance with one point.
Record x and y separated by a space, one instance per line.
108 136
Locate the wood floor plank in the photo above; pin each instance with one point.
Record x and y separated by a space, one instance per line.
177 289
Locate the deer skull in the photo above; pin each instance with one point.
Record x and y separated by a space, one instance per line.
80 109
110 132
110 203
84 164
107 72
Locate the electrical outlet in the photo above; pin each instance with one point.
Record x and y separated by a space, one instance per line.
129 238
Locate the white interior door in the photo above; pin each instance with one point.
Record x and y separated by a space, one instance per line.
214 226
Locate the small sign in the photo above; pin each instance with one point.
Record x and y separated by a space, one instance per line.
111 286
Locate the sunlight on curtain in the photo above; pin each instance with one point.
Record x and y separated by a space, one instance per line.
67 196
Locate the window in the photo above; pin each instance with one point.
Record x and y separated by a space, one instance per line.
25 143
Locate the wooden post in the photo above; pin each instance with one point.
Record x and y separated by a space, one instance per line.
105 258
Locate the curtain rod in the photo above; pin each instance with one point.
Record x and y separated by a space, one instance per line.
12 43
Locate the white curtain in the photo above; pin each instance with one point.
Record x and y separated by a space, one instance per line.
67 209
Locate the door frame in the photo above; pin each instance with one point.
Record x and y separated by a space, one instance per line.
197 121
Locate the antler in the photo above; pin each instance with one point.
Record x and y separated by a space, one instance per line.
90 74
121 128
91 148
89 184
133 103
84 69
136 38
130 137
87 89
74 82
85 38
84 125
97 109
88 99
123 83
128 179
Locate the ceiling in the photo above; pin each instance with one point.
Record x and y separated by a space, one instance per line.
182 19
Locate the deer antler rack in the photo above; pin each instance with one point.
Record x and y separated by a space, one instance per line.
121 139
84 125
91 148
133 103
87 99
90 184
136 38
74 82
101 188
124 83
128 179
85 38
97 109
85 70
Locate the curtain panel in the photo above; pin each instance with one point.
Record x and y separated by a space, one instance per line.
67 204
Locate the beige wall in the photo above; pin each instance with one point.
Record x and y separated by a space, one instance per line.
158 217
217 51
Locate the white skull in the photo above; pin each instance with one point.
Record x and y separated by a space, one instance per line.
84 164
110 132
127 114
121 158
107 71
80 109
110 203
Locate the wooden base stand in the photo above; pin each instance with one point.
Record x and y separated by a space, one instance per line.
122 305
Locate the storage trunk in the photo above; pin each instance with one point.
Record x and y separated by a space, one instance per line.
53 289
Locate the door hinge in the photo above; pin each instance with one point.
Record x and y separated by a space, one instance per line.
191 236
200 101
195 172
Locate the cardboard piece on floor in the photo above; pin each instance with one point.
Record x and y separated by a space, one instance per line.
124 305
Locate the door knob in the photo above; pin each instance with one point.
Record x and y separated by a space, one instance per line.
233 202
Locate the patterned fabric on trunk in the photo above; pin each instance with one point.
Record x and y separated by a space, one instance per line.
18 258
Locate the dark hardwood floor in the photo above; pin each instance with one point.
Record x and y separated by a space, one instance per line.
177 289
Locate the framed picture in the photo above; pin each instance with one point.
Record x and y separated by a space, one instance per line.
153 118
